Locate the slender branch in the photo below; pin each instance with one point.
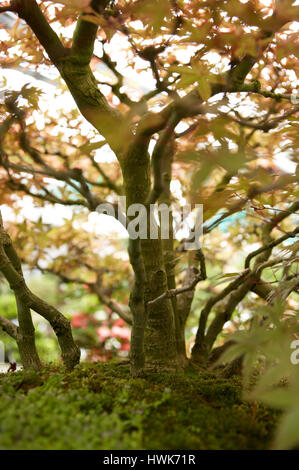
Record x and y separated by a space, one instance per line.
276 219
221 318
252 193
159 152
233 209
169 294
67 175
123 97
233 80
112 304
214 300
94 287
265 126
270 245
45 197
109 183
255 88
204 342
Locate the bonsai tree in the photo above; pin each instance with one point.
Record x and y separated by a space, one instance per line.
216 121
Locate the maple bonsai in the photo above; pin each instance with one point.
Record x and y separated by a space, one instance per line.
222 147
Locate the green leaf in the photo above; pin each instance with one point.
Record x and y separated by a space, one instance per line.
204 88
288 436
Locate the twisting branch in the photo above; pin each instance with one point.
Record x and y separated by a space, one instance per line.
28 300
25 334
204 341
73 65
73 177
31 13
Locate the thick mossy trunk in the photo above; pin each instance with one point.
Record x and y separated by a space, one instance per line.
159 340
160 343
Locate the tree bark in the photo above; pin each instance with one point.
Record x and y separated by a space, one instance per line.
26 338
159 339
160 342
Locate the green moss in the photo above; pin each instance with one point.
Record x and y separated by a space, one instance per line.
100 406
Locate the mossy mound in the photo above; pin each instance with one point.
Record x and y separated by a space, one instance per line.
99 406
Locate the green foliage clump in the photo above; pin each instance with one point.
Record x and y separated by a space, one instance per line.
99 406
270 365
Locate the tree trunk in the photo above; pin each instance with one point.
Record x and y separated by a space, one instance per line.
159 340
160 343
26 338
170 258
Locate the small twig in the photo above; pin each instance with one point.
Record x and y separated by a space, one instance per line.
169 294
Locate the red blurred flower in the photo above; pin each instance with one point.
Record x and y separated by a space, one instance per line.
119 322
103 333
123 333
80 321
